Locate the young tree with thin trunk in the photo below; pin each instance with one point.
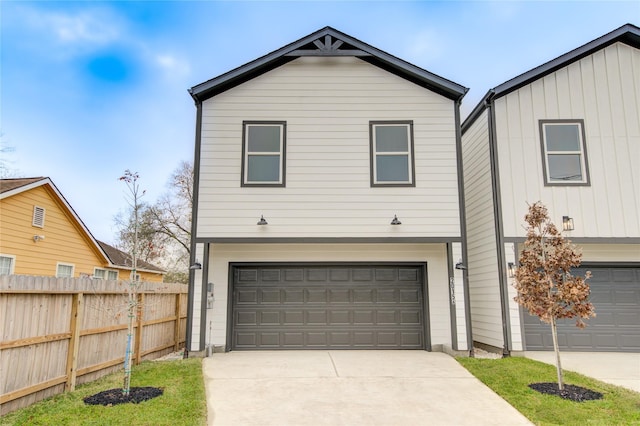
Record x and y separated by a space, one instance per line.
543 279
133 198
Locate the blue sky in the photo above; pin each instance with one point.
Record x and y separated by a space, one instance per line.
89 89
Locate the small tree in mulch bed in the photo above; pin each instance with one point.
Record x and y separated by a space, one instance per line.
127 393
547 289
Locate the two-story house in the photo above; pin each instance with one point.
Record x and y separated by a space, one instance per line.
41 234
566 133
328 204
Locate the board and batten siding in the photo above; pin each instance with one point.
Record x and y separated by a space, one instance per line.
327 104
484 288
603 89
435 255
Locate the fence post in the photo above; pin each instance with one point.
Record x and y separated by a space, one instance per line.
176 330
138 342
72 351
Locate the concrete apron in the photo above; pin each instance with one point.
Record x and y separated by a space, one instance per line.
616 368
349 388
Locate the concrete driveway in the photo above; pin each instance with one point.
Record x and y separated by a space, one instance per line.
616 368
349 388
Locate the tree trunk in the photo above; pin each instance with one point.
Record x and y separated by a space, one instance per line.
554 333
126 385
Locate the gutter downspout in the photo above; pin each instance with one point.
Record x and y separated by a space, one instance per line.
498 224
463 229
194 223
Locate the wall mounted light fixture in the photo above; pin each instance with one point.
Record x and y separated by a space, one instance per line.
196 265
511 268
395 220
567 223
37 238
262 221
461 266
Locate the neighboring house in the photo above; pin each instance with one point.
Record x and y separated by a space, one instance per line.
327 205
123 262
566 133
41 234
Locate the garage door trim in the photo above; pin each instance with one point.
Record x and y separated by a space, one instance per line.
424 287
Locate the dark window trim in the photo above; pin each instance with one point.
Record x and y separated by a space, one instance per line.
284 155
372 154
543 151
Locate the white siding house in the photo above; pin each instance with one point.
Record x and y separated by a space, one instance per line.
567 134
328 204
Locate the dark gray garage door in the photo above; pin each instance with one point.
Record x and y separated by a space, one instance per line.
328 306
615 292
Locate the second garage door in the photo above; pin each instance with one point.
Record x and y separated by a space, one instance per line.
328 307
615 293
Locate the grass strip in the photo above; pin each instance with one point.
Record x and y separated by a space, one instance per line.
510 377
182 403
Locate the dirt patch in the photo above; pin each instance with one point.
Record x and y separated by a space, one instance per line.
115 396
574 393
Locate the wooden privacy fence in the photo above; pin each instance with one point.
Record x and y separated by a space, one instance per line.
60 332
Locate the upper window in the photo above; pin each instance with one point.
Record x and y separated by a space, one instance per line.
6 264
391 153
64 270
263 152
38 217
564 156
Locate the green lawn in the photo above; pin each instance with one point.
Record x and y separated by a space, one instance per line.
510 377
182 403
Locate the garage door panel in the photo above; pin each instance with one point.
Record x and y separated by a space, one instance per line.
327 307
615 293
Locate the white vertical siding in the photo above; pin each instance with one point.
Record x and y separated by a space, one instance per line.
461 319
482 254
511 256
197 301
603 89
327 104
435 255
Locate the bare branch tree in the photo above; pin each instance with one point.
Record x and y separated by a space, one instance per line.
543 279
133 198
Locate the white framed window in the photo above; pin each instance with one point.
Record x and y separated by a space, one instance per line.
64 270
105 274
564 152
7 264
391 144
263 153
38 216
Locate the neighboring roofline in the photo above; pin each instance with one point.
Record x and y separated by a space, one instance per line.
628 34
370 54
48 181
144 267
35 182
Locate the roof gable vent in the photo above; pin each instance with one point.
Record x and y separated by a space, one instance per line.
38 216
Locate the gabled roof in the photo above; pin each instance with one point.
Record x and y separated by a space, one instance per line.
11 187
121 259
628 34
327 42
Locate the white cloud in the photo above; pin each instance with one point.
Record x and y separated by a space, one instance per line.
173 65
90 26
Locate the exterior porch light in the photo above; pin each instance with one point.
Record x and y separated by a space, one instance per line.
511 268
395 220
567 223
196 265
262 221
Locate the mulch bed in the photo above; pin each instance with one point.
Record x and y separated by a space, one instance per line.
571 392
115 396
